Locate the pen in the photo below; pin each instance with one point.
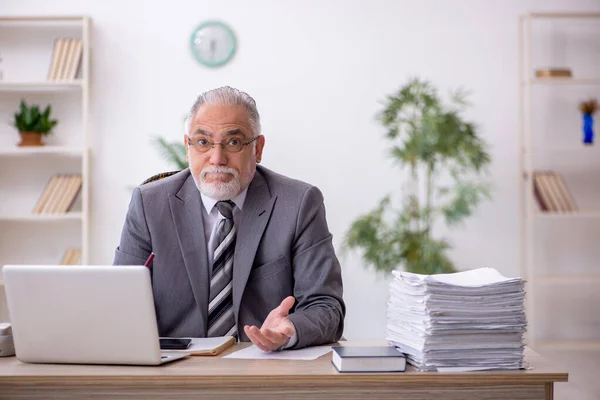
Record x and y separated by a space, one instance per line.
149 260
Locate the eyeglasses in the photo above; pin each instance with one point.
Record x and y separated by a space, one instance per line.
234 145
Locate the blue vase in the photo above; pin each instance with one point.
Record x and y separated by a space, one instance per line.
588 129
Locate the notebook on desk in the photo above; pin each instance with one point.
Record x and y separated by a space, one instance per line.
83 315
368 359
209 346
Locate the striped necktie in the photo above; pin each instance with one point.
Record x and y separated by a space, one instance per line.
221 321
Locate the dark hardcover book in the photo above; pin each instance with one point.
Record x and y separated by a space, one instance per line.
368 359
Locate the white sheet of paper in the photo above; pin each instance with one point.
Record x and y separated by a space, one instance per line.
253 352
463 369
479 277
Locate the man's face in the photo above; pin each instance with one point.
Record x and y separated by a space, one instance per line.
218 173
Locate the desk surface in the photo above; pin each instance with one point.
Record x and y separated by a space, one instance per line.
212 370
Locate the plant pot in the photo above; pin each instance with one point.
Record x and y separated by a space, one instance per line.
30 139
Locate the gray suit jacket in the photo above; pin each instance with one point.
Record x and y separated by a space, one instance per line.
284 248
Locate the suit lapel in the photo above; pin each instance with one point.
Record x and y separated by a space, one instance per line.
186 209
250 227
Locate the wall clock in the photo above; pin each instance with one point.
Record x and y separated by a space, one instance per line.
213 43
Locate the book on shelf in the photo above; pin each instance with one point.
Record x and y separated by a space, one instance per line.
551 192
59 195
66 59
553 73
368 359
52 72
45 195
71 257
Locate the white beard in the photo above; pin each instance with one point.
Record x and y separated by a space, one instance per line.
224 190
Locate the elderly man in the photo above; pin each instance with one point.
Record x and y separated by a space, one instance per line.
240 250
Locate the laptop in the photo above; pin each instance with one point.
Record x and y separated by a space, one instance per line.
83 315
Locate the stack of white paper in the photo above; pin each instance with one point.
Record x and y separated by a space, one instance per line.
452 322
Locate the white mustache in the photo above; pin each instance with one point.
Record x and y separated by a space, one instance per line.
218 170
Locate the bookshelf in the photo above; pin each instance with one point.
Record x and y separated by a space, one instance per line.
558 258
28 45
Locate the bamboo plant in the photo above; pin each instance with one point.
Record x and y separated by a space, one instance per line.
443 161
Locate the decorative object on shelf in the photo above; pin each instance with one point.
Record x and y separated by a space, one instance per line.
213 43
172 152
32 124
551 192
553 73
588 108
446 161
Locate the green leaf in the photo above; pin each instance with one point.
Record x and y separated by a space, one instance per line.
46 114
173 152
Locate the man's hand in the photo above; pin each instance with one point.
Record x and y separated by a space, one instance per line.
276 330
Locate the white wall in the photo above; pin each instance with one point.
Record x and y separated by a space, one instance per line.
318 70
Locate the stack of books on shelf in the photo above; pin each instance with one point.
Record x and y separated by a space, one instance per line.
59 195
551 193
66 59
71 257
472 320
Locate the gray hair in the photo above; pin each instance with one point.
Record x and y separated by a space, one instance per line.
230 97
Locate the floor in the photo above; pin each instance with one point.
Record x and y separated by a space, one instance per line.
583 367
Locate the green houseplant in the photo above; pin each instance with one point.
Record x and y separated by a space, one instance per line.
172 152
33 124
444 162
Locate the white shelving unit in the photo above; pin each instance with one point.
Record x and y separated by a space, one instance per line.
41 86
30 151
26 47
562 81
42 218
563 293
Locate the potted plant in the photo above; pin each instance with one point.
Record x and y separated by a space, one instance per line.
444 162
33 124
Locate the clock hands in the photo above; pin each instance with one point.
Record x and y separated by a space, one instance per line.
213 48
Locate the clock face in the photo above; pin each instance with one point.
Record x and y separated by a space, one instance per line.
213 43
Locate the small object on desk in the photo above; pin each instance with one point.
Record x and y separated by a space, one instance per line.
210 346
168 343
368 359
553 73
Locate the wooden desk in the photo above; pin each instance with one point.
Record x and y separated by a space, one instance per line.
217 378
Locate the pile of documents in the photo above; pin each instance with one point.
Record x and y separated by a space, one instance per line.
473 320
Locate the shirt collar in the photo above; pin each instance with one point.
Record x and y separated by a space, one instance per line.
209 203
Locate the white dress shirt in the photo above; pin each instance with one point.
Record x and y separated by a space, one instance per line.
211 217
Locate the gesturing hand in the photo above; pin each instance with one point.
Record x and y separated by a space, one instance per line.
276 330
